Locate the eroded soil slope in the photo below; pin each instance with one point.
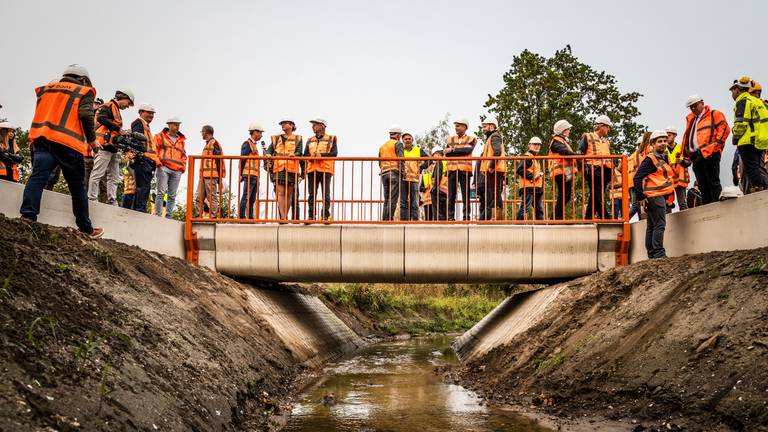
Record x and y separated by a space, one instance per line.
680 342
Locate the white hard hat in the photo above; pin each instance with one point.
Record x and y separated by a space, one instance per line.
319 120
146 107
462 120
407 133
286 119
491 120
561 126
77 70
395 128
6 125
640 139
535 140
437 149
604 119
670 129
658 134
255 126
128 93
173 119
692 100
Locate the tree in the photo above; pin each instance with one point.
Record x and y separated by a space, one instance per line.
437 135
538 91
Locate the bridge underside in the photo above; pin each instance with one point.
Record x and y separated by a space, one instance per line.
410 254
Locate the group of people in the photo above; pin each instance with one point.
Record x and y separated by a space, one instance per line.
74 133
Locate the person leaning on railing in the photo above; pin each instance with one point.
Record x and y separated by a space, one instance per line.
597 172
494 171
212 173
249 172
390 170
409 186
287 172
655 184
320 171
562 170
531 181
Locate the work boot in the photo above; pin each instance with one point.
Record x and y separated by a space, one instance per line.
96 233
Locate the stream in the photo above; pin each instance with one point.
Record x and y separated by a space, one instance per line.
391 386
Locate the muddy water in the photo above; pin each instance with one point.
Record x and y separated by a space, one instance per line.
392 387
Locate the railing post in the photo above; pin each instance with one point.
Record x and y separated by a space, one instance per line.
190 237
622 246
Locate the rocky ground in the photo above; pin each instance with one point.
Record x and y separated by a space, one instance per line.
97 335
674 344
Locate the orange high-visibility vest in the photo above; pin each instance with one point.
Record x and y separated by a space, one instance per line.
104 135
171 154
251 167
151 151
500 165
285 147
322 145
56 116
597 146
662 181
534 170
711 131
557 166
129 184
615 188
633 163
212 168
388 150
464 142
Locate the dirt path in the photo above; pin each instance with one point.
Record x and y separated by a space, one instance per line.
97 335
674 344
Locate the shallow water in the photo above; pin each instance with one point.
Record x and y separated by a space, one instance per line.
391 386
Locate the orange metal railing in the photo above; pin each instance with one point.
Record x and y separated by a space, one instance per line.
361 191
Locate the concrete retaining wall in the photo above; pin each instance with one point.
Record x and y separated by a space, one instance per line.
126 226
727 225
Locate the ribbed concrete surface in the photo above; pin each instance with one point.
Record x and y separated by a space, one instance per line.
405 253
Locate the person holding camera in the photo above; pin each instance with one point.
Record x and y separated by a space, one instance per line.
105 162
144 165
61 130
9 153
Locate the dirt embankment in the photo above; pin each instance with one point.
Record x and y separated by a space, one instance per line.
674 344
97 335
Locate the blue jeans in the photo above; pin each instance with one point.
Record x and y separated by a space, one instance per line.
409 201
533 198
167 182
390 183
248 196
47 156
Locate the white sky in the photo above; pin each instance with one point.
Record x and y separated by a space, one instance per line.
364 65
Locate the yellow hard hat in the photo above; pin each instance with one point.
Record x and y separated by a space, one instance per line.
744 82
755 87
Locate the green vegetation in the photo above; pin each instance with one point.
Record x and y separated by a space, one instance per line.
418 309
758 266
550 362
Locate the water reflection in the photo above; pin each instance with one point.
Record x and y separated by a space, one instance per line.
392 387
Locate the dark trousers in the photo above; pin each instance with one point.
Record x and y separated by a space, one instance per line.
680 194
439 205
49 155
54 178
754 169
248 196
143 172
409 201
494 186
480 193
564 194
708 175
458 179
532 197
597 179
315 180
390 185
617 206
657 222
129 200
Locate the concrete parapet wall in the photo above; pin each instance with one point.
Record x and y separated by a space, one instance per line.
148 232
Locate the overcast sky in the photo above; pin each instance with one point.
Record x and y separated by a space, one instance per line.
364 65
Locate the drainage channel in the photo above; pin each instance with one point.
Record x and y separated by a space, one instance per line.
392 386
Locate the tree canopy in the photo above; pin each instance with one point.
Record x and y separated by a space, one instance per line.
539 91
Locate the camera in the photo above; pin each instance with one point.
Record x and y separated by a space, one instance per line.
135 143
